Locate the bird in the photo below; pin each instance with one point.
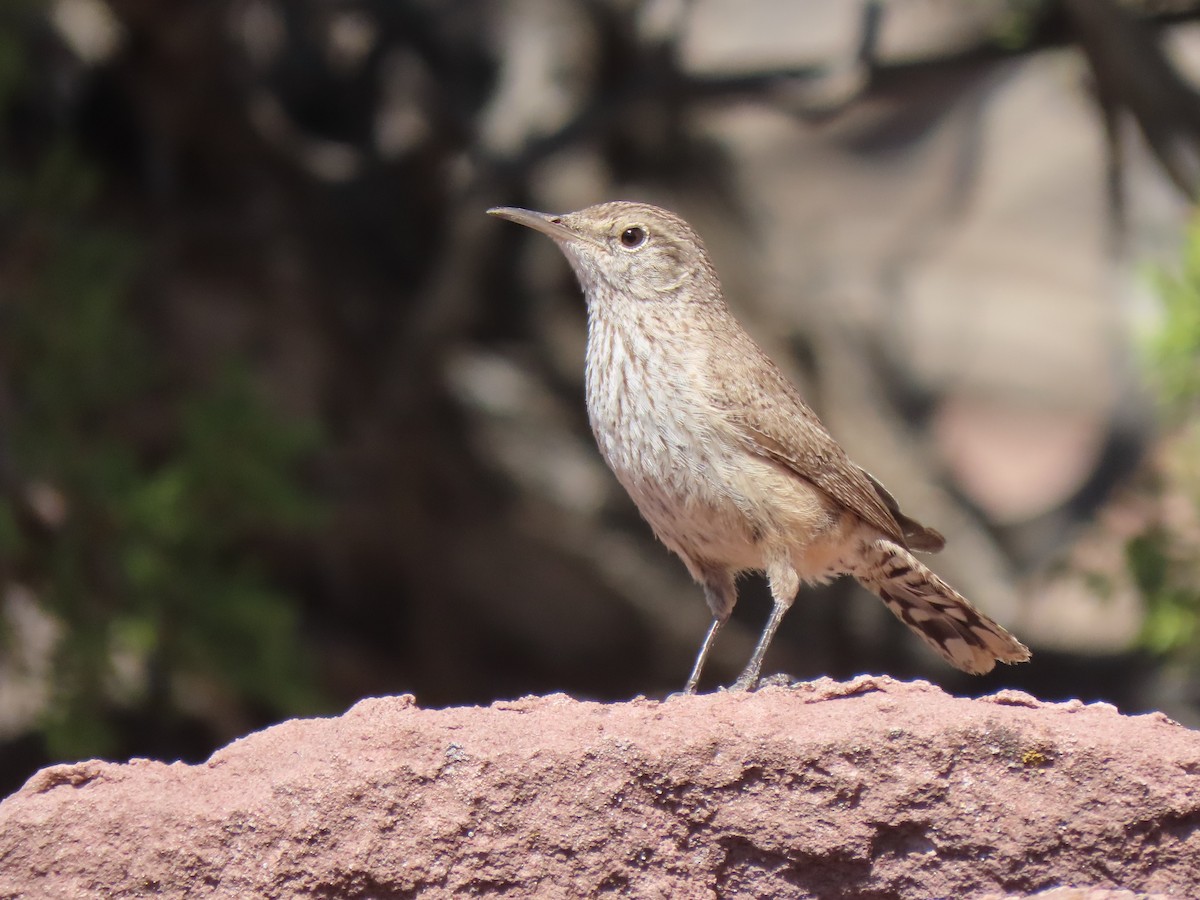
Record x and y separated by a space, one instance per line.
721 455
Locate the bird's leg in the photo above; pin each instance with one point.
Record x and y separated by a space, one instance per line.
720 591
694 678
785 584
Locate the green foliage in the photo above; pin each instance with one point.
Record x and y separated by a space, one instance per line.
1164 560
1174 348
1172 624
159 487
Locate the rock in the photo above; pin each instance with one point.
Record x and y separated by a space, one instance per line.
868 788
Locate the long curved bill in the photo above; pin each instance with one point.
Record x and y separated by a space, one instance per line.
543 222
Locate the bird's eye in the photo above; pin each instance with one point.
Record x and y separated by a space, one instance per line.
634 237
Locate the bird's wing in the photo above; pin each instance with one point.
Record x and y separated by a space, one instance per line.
774 422
919 537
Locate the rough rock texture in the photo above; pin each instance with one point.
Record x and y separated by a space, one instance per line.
867 789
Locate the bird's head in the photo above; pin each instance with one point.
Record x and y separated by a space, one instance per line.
628 250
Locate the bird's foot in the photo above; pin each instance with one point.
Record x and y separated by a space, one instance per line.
744 684
754 683
779 679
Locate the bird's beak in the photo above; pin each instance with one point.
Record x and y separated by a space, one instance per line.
547 224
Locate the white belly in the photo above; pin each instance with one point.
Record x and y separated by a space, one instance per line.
705 496
666 448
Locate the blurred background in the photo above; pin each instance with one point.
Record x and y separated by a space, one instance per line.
287 421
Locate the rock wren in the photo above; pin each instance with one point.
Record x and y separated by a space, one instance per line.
721 455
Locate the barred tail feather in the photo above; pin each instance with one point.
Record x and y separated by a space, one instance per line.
940 615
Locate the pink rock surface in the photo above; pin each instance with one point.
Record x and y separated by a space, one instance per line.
870 789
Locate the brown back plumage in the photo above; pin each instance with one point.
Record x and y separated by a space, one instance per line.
776 423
